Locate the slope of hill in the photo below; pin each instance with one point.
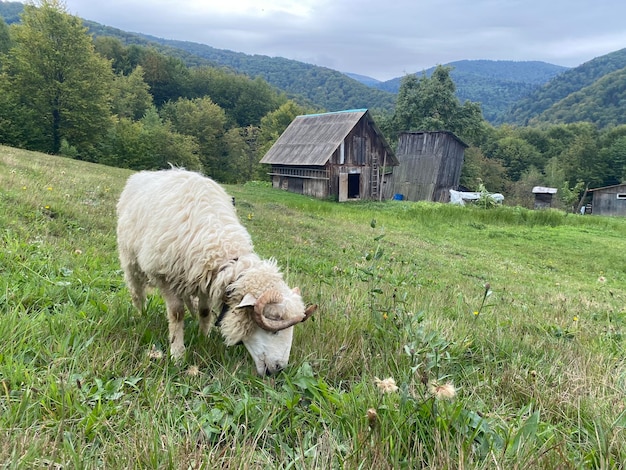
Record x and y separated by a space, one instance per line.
509 92
365 80
325 87
560 87
319 86
459 294
603 103
495 84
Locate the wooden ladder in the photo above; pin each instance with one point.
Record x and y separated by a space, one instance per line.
374 177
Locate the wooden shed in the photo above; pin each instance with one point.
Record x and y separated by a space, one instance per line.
341 154
609 200
543 197
430 165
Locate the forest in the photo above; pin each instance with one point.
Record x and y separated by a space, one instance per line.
66 91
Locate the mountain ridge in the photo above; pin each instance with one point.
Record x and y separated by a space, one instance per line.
514 92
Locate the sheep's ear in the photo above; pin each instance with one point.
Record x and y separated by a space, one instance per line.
248 301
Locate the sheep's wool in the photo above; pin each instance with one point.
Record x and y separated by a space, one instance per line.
180 231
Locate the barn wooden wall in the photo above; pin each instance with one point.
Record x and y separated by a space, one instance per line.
606 201
430 165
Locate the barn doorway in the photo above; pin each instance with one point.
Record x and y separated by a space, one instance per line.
354 185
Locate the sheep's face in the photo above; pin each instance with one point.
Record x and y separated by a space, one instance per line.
269 343
270 351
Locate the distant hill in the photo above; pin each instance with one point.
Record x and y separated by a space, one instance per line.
603 102
365 80
495 84
10 11
522 93
325 87
572 81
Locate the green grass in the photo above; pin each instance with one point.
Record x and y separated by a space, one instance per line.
537 359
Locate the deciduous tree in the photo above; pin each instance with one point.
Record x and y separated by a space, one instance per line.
62 86
430 104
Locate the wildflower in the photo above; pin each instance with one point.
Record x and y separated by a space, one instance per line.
46 207
386 385
49 188
250 216
476 313
155 353
193 371
575 318
602 279
385 316
23 188
444 391
372 415
78 251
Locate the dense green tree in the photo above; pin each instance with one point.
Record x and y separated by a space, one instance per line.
520 192
131 95
430 104
275 122
205 121
581 160
148 144
168 77
517 155
245 101
243 160
61 86
554 174
116 52
5 38
479 169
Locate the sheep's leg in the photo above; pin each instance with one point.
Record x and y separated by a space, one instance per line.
176 322
205 316
136 281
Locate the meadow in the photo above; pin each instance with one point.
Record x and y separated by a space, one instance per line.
446 337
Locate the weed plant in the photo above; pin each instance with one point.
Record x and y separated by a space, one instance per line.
446 337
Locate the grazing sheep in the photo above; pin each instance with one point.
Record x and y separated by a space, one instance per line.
179 231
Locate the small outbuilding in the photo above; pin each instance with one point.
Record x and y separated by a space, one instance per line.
430 166
609 200
543 197
341 154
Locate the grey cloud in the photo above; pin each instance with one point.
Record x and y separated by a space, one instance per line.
386 39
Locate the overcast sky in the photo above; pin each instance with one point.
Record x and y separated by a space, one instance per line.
382 39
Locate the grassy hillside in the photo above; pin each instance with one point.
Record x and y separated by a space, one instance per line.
523 312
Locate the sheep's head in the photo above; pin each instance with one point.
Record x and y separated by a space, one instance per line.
274 313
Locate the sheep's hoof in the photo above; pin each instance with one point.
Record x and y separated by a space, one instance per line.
177 353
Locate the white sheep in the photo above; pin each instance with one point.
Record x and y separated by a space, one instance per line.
179 231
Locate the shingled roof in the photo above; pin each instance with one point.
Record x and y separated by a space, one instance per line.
311 139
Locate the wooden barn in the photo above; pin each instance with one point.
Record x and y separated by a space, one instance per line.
610 200
341 154
430 165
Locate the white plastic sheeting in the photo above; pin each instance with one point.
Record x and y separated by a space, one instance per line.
460 197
